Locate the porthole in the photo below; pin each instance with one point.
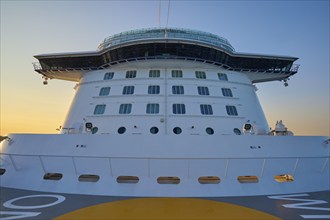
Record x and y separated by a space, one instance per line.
53 176
237 131
210 131
2 171
209 180
177 130
121 130
248 179
88 178
154 130
168 180
284 178
127 179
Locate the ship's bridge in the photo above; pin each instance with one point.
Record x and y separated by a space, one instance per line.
169 44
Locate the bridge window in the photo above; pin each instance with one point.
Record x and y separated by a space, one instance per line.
177 90
200 75
125 108
108 75
131 74
88 178
99 109
179 109
168 180
203 90
209 180
153 89
231 110
154 73
127 179
284 178
177 73
222 76
128 90
248 179
104 91
227 92
53 176
206 109
152 108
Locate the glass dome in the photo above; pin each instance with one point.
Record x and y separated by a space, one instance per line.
166 34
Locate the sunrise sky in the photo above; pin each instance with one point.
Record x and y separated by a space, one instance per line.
293 28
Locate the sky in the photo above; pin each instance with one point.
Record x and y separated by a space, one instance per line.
294 28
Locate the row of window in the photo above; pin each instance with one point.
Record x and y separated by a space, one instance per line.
155 89
156 73
169 179
153 108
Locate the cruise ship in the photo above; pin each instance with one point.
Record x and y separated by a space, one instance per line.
165 124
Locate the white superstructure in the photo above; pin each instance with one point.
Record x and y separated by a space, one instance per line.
166 112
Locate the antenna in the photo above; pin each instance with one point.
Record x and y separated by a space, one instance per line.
159 11
168 12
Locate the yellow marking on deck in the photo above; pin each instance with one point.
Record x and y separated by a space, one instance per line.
166 208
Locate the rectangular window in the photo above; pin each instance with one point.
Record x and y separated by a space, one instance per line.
128 90
104 91
223 76
202 90
206 109
227 92
177 90
131 74
154 73
231 110
99 109
177 73
108 75
179 109
152 108
125 108
153 89
200 75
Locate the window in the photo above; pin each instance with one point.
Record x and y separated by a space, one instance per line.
128 90
168 180
154 130
284 178
206 109
209 180
202 90
177 90
99 109
223 76
179 109
152 108
108 75
130 74
154 73
53 176
88 178
209 131
177 73
2 171
121 130
231 110
153 89
248 179
177 130
104 91
227 92
127 179
200 75
125 108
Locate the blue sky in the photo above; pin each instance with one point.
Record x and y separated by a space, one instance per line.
293 28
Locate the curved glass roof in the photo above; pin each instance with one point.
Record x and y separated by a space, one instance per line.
167 33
